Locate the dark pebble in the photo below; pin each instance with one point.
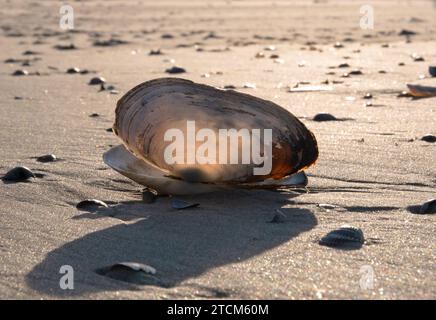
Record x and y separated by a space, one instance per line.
94 115
96 80
367 96
180 204
429 138
432 71
344 237
46 158
175 70
324 117
344 65
18 174
91 205
109 130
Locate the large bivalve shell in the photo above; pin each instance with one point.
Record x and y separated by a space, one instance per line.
148 111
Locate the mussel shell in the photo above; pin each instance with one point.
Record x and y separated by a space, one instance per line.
146 112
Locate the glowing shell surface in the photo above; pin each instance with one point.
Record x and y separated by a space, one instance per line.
146 112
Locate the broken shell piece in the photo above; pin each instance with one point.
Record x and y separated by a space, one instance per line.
73 70
324 117
428 207
20 73
155 52
96 80
131 272
404 94
416 57
46 158
327 206
91 205
180 204
146 112
249 85
421 91
429 138
344 237
279 217
355 72
175 70
18 174
270 48
299 88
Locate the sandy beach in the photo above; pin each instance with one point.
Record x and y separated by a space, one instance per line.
373 168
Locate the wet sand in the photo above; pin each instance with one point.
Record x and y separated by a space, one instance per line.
372 167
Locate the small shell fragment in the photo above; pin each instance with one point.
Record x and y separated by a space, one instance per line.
155 52
131 272
20 72
327 206
324 117
175 70
428 207
18 174
73 70
344 237
279 217
421 91
429 138
96 81
91 205
46 158
417 58
180 204
355 72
